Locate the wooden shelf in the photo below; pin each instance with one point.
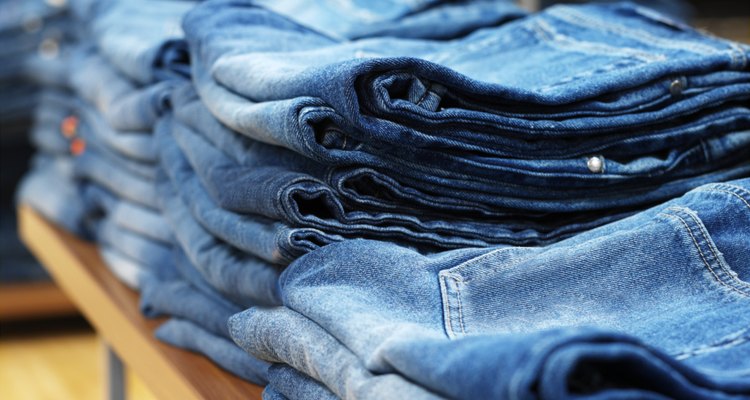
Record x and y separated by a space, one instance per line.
29 300
112 308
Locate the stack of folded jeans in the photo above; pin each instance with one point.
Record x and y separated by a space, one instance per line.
423 199
230 259
544 131
652 306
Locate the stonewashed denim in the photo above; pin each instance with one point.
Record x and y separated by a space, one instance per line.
179 298
294 191
136 145
126 214
241 277
626 61
265 186
139 38
189 273
652 305
285 382
418 19
93 167
270 240
635 96
129 271
49 188
111 145
223 352
124 105
54 106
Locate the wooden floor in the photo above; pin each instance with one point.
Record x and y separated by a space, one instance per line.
58 360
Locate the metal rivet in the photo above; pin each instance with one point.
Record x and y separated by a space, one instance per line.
57 3
676 87
595 164
32 25
49 48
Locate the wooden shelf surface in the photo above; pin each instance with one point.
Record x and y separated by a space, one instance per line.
27 300
112 308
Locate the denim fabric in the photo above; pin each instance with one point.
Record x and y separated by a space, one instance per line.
50 189
300 200
418 19
179 299
54 106
138 37
125 214
223 352
617 91
96 168
229 166
269 240
190 274
123 105
649 285
242 277
127 270
151 255
135 145
285 382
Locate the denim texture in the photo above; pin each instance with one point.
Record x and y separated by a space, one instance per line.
619 92
54 175
272 183
178 298
223 352
240 276
138 37
639 294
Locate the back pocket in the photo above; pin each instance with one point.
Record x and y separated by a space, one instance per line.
643 275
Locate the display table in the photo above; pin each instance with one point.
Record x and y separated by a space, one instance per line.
112 309
32 300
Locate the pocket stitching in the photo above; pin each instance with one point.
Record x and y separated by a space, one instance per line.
702 255
449 293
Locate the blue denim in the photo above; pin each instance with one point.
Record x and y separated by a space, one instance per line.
93 167
51 190
285 382
652 305
229 165
179 298
189 273
54 106
139 38
127 270
433 121
136 145
123 105
241 277
223 352
406 19
125 214
267 239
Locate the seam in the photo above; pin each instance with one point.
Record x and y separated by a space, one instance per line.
721 189
459 306
729 341
424 95
703 257
446 307
712 247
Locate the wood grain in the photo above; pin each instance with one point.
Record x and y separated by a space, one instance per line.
33 300
112 308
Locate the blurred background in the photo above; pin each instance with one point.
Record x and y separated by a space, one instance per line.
47 350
